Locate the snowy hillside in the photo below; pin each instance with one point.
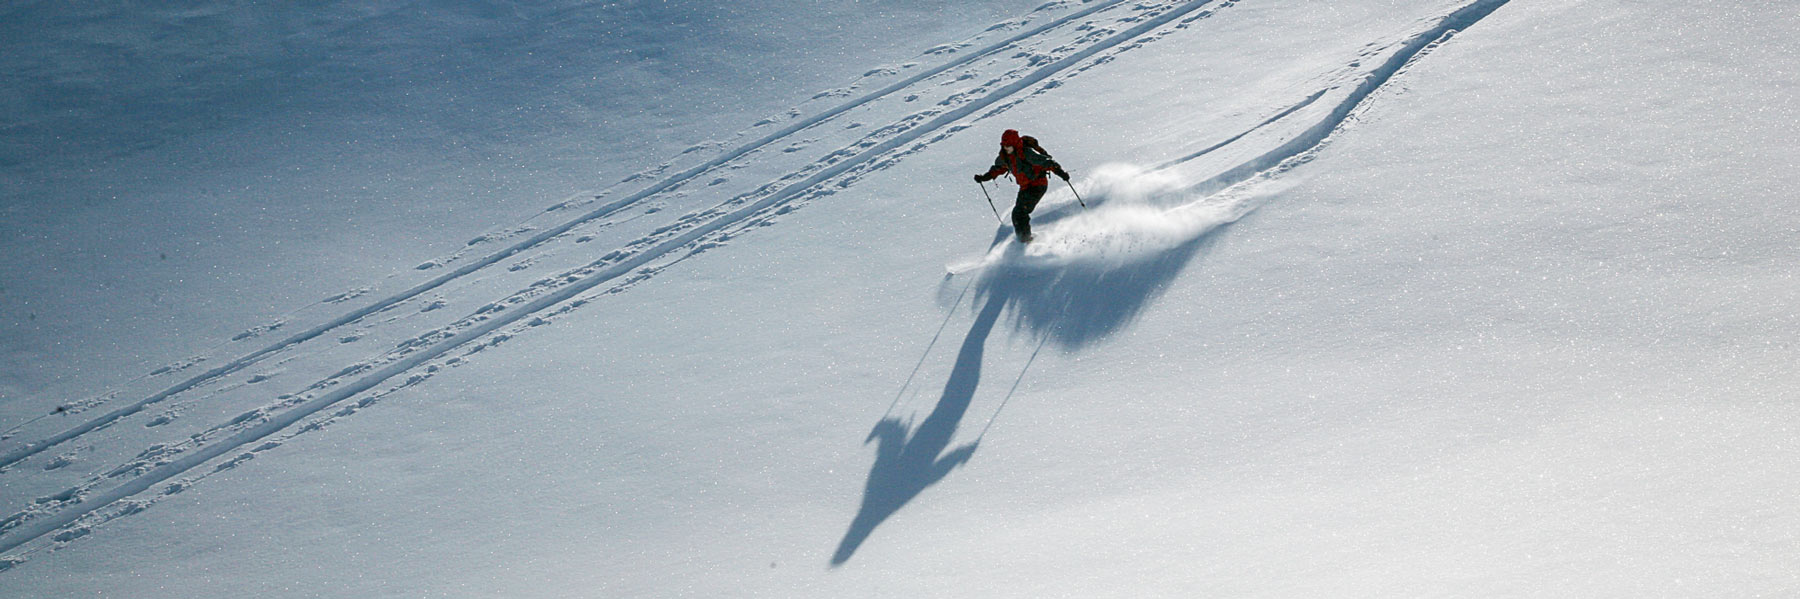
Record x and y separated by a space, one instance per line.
1360 298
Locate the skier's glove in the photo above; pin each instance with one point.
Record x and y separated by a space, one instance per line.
982 178
1062 173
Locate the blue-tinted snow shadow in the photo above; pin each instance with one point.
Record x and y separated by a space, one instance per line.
1071 303
1097 267
1077 304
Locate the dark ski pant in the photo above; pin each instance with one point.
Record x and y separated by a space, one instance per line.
1022 207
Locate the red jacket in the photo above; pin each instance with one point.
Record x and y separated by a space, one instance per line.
1028 163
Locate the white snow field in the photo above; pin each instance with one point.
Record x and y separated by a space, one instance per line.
1368 298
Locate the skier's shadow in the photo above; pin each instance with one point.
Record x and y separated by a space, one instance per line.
1074 306
907 460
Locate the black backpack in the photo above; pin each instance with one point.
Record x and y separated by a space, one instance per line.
1031 143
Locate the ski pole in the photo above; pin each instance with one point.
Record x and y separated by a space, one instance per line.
990 200
1077 194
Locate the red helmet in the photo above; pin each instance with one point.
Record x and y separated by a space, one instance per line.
1011 138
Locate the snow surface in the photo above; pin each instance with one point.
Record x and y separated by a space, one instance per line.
1368 298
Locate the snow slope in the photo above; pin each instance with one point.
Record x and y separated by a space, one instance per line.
1370 298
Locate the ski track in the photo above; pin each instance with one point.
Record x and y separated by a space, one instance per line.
1234 139
1301 148
76 511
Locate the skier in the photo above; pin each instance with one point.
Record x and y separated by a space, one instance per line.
1028 163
